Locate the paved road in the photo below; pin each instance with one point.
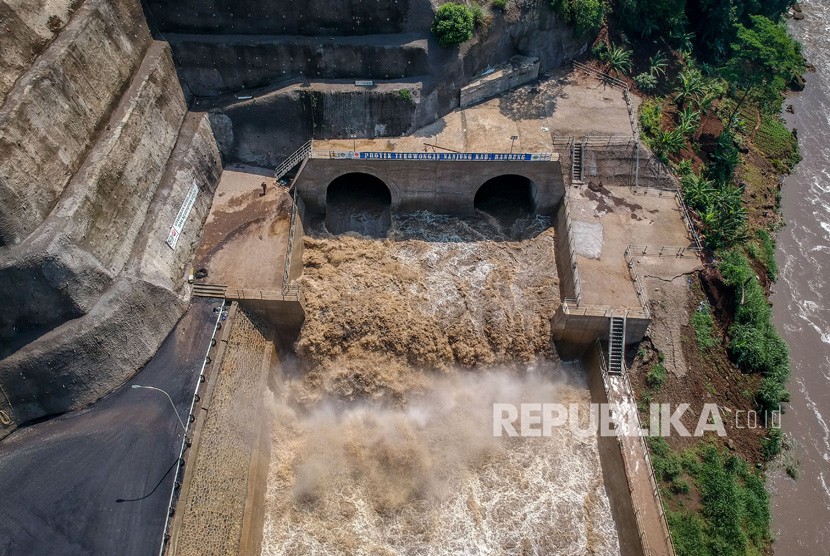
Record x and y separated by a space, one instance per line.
60 480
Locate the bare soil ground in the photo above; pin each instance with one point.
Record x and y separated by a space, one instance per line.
245 236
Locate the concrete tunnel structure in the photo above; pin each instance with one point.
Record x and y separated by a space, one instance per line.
448 186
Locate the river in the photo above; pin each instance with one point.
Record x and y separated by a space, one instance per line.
801 508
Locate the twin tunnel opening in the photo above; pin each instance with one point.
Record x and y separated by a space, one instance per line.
362 203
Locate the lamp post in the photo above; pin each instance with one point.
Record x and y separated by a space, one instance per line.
512 140
168 397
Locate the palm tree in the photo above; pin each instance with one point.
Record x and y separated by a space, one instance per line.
658 64
691 86
619 60
689 120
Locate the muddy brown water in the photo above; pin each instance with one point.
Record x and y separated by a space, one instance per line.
801 508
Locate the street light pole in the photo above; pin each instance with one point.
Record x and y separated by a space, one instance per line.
168 397
512 140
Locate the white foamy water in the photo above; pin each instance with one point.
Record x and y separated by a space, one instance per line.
801 509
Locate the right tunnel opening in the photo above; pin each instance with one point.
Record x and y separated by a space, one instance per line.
507 197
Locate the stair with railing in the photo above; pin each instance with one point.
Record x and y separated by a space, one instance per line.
577 162
293 159
616 345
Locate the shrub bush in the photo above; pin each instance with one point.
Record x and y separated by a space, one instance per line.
704 327
585 15
646 82
499 4
453 24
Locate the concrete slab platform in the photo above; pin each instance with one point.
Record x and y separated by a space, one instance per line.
245 235
650 220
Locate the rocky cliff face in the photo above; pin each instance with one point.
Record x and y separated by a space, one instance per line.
97 153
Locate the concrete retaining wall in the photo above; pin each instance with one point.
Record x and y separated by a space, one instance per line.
28 27
564 265
81 361
309 17
613 467
447 187
212 65
521 70
88 237
584 330
53 113
616 165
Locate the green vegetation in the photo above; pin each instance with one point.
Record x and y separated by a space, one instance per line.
453 24
617 58
586 15
499 4
704 326
755 345
716 73
734 517
406 94
777 143
656 376
646 82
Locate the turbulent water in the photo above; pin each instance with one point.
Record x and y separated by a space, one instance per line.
382 436
801 509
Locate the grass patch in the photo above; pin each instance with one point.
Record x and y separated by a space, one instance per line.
656 376
704 326
734 518
777 143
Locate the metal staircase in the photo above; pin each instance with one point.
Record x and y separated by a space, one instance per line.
577 162
295 158
616 345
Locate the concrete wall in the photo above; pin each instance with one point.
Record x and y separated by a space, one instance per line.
52 114
521 70
564 264
89 235
86 358
292 17
266 129
212 65
282 116
616 165
447 187
575 331
613 467
28 27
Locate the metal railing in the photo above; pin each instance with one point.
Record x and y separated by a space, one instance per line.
171 504
684 211
604 76
293 159
286 272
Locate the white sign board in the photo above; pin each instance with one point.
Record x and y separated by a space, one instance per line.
181 218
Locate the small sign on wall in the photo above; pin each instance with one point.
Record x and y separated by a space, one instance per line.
181 218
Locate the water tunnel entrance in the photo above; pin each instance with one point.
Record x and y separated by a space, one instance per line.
507 197
358 202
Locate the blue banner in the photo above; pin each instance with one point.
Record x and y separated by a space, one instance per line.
452 156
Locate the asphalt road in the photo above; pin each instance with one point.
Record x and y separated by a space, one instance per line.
61 480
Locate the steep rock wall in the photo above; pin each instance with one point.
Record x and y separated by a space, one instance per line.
91 231
52 114
308 17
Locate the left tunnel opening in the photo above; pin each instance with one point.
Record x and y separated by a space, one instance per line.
359 202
